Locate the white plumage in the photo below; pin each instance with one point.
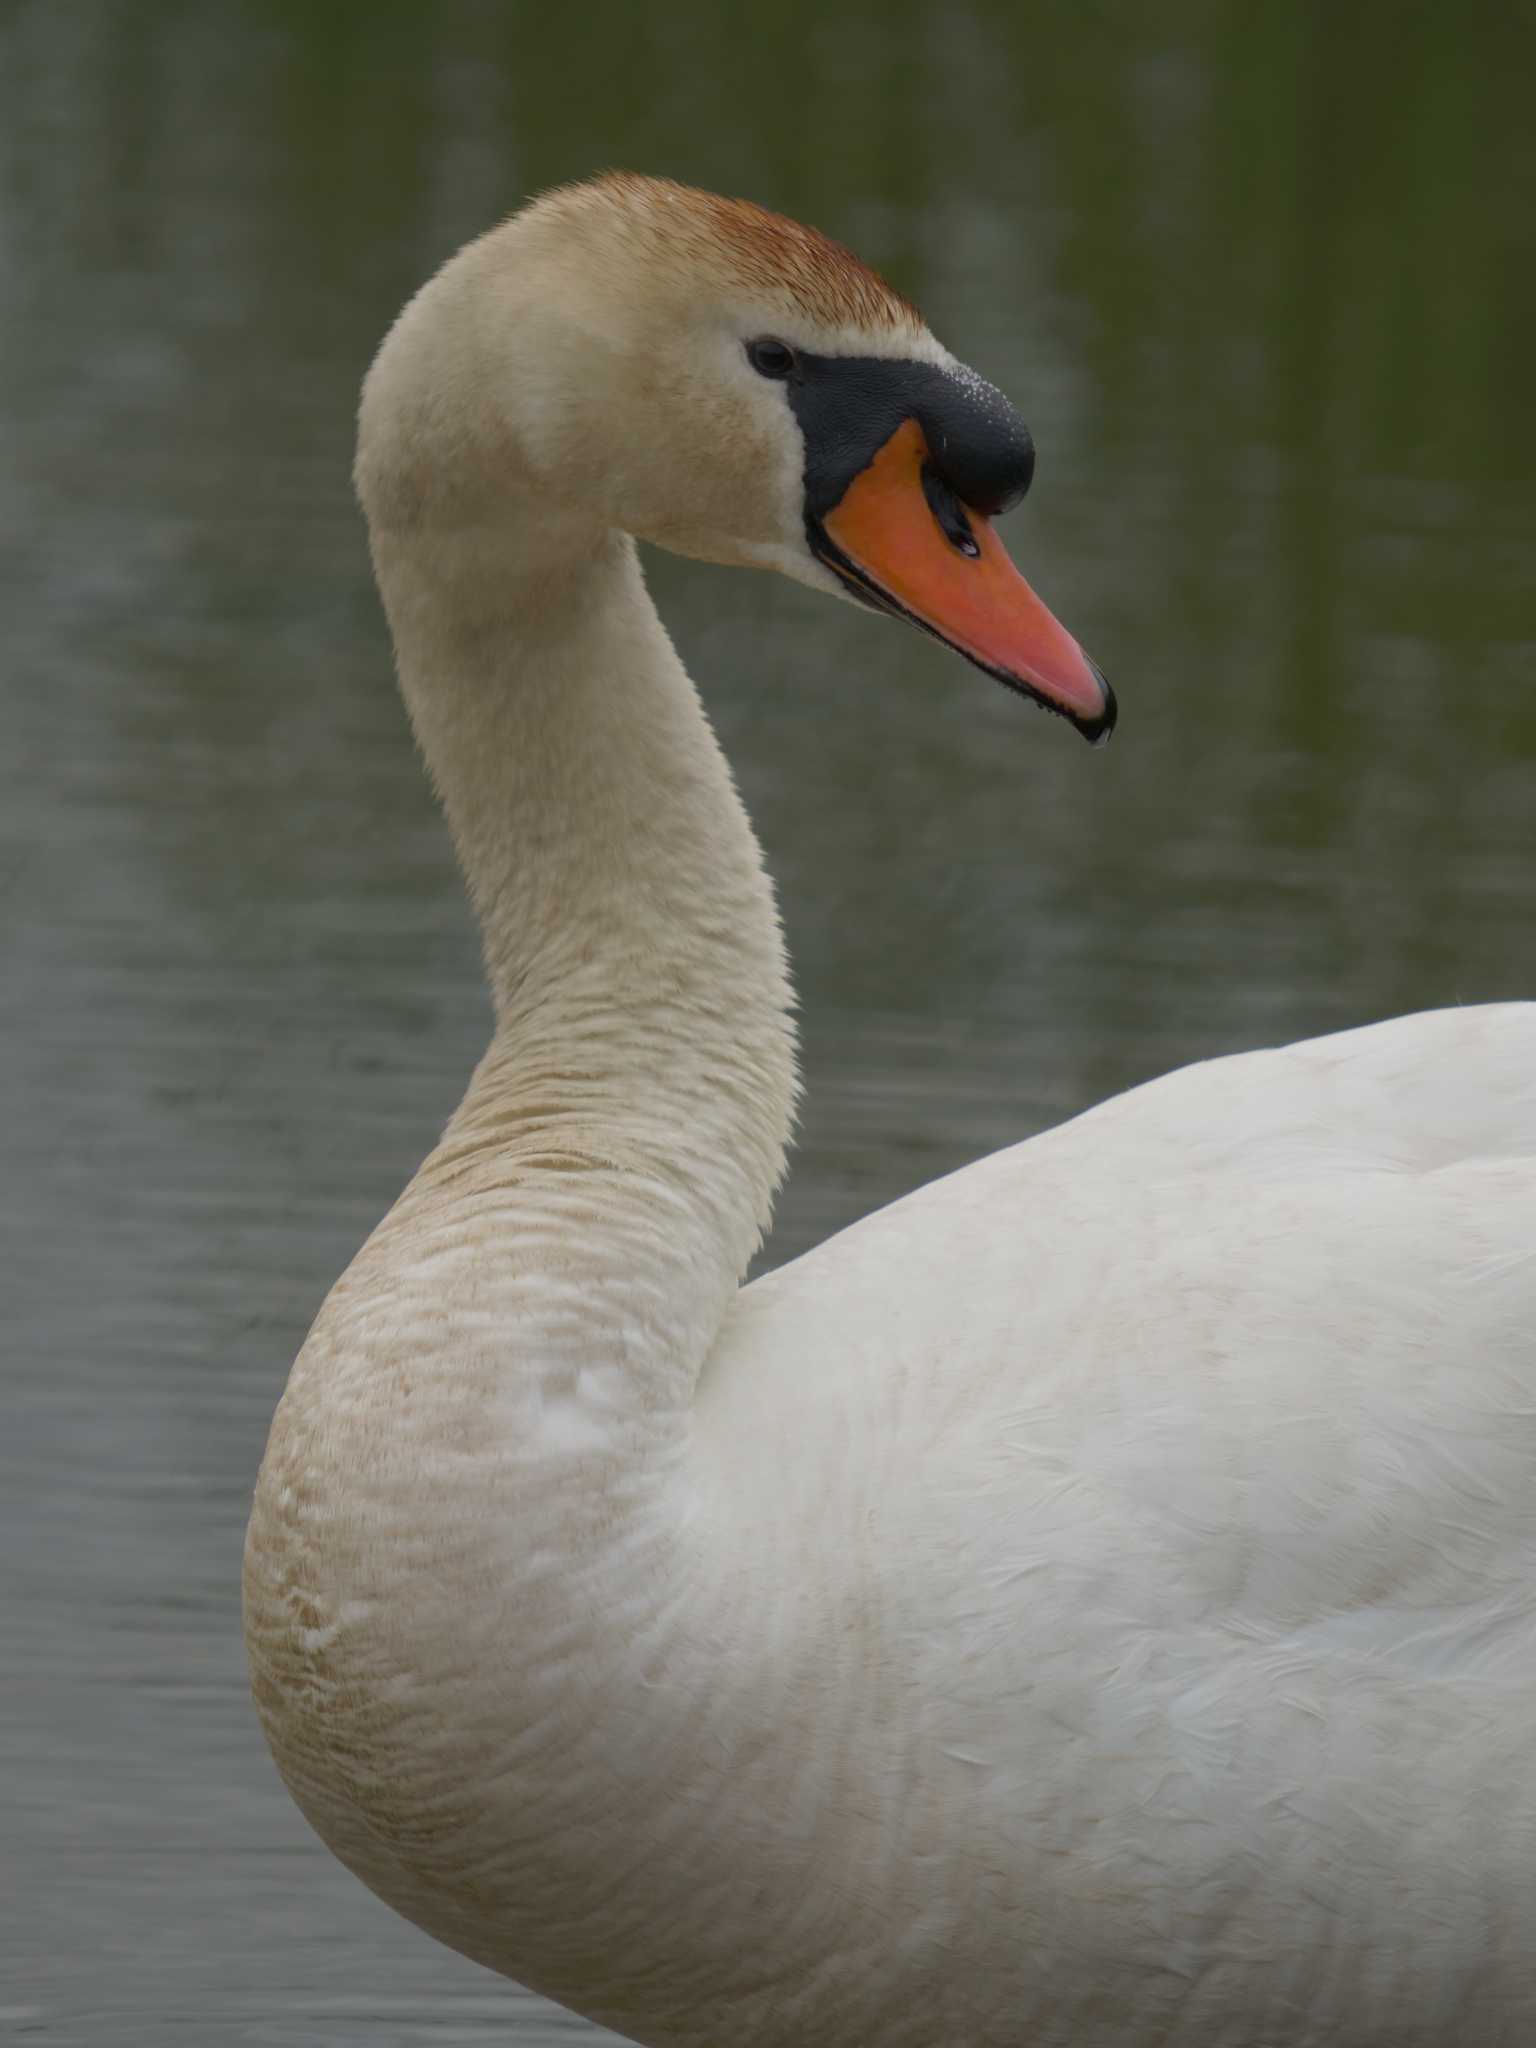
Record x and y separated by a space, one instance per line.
1092 1601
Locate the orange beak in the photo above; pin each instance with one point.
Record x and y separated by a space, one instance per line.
946 570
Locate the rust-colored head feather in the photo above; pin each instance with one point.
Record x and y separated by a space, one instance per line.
763 252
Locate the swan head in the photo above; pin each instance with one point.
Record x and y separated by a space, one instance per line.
711 377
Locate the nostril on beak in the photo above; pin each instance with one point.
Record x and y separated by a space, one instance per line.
949 512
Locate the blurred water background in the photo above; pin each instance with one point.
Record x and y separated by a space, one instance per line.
1260 277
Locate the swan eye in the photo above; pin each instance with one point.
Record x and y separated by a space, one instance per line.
771 358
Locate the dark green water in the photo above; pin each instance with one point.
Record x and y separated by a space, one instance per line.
1260 277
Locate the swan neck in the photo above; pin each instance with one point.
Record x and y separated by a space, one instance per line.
626 1129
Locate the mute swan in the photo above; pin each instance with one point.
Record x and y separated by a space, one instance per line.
1093 1600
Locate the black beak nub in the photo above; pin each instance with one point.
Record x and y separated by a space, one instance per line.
977 442
849 406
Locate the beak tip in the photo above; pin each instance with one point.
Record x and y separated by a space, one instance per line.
1096 731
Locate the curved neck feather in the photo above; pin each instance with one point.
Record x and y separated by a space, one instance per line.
610 1170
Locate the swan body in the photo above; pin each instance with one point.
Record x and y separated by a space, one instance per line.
1091 1601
